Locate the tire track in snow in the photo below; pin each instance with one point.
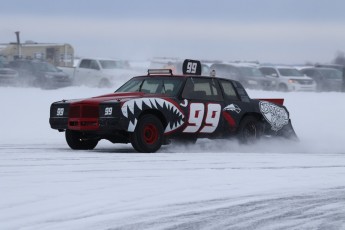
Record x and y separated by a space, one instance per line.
322 210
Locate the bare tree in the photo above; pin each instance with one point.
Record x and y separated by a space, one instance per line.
340 58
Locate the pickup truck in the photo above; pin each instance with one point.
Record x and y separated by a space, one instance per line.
100 72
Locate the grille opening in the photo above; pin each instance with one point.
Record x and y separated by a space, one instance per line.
83 111
73 123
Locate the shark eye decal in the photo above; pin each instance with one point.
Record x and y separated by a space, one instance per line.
233 107
275 115
132 109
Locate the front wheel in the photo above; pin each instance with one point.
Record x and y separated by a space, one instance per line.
104 83
148 134
249 130
75 141
283 88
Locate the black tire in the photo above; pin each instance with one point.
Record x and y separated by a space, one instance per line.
148 134
250 130
104 83
74 141
282 88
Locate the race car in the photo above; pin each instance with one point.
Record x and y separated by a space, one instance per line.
159 108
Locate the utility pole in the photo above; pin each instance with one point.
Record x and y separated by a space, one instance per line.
18 44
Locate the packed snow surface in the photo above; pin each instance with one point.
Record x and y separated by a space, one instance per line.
217 184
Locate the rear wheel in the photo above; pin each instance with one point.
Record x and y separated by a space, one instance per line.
148 134
75 141
249 130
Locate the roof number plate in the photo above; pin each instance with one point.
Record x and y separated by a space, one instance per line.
191 67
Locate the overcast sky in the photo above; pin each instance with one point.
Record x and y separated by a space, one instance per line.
281 31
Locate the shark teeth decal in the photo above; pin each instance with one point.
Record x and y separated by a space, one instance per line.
275 115
131 109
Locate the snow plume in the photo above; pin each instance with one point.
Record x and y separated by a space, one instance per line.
317 119
269 145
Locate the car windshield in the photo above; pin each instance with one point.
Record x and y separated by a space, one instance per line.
250 71
110 64
45 67
290 72
153 85
333 74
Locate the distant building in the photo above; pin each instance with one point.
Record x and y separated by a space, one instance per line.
55 53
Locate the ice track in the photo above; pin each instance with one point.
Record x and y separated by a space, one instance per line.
52 187
209 185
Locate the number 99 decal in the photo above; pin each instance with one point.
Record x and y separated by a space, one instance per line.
196 118
191 67
60 111
108 111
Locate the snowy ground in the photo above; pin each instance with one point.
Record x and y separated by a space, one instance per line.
211 185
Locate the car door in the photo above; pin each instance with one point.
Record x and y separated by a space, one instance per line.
27 72
202 103
88 72
236 101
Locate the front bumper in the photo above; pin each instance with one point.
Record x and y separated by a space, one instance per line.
87 124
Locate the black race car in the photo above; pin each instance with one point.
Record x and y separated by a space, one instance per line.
151 110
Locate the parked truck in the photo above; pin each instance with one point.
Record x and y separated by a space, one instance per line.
100 72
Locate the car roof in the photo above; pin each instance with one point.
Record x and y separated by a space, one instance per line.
321 68
278 66
184 76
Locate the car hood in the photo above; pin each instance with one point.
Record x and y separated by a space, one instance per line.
9 72
118 97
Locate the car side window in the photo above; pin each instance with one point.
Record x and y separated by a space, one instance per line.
269 72
310 72
228 90
233 71
94 65
202 89
317 74
85 63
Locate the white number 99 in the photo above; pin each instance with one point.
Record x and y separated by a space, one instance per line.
108 111
191 67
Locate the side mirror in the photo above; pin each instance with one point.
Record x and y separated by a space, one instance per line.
274 75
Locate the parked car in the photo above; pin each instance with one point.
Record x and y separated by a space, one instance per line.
99 72
327 79
153 109
8 77
40 74
289 78
247 74
341 68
